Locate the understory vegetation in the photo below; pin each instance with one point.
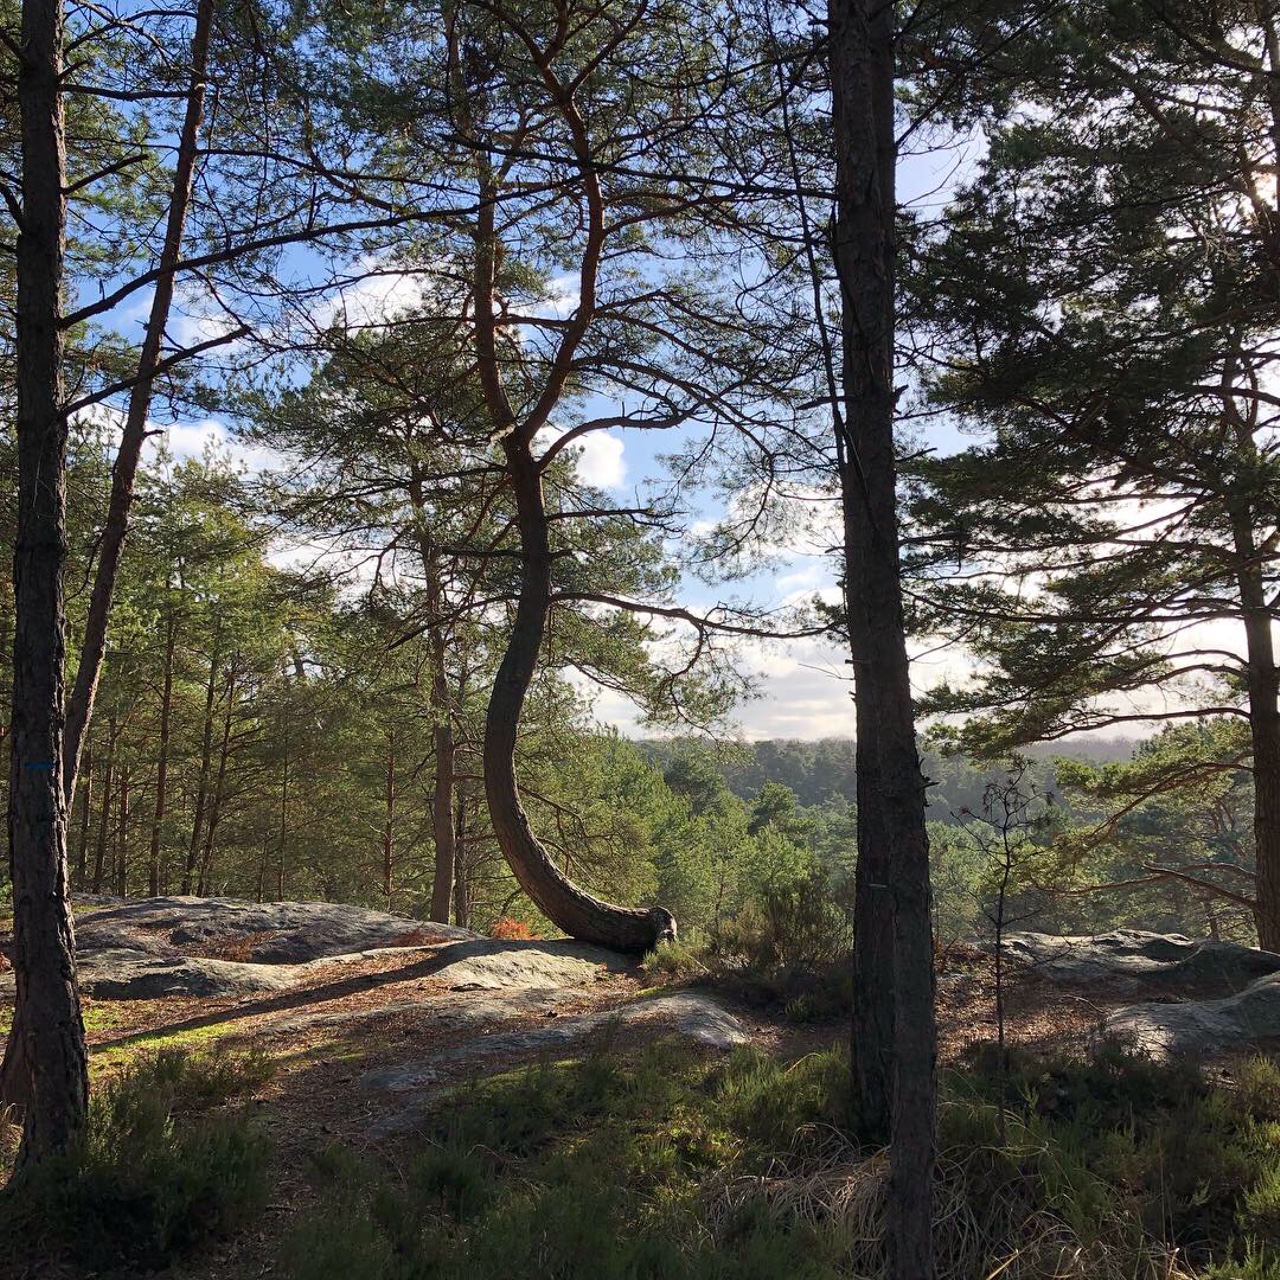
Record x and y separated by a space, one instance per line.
166 1163
659 1163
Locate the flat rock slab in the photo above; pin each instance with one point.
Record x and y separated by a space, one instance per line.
120 974
690 1015
258 932
1134 958
491 964
1203 1027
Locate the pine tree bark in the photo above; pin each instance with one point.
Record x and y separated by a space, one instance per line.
1262 681
578 913
124 472
219 786
86 816
442 790
154 877
206 763
461 885
122 837
389 823
104 818
891 788
48 1055
283 844
442 821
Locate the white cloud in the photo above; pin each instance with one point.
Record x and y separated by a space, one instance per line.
599 456
600 461
191 439
563 297
375 295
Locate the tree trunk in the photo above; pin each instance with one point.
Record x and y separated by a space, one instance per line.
104 818
154 877
442 798
48 1032
442 822
578 913
461 886
284 828
575 911
123 473
82 858
219 784
122 838
389 823
206 763
892 836
1263 682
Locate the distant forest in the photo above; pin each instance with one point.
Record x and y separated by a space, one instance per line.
822 771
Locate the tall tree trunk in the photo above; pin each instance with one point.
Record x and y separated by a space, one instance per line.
284 827
442 797
122 837
154 876
219 785
578 913
86 807
49 1055
104 818
206 762
574 910
442 822
1263 683
389 823
892 835
123 473
461 885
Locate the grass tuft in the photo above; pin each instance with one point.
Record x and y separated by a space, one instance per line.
160 1169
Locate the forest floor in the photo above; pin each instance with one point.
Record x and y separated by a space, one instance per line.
314 1098
324 1037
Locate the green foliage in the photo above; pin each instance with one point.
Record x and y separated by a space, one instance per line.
591 1169
800 922
1118 1138
662 1163
1183 803
159 1171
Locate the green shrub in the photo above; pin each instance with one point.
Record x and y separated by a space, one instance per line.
801 924
672 962
153 1176
667 1164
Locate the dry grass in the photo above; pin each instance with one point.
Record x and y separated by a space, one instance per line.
843 1194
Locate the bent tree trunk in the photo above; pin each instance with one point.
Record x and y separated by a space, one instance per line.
47 1047
631 929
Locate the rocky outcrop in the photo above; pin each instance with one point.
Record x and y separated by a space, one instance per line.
489 964
123 974
419 1086
256 932
1133 958
1203 1028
